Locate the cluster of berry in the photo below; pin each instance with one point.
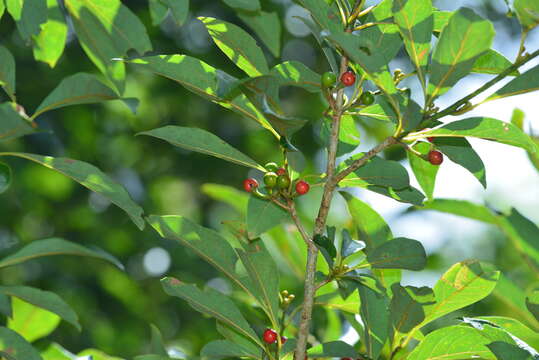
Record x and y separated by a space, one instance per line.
276 178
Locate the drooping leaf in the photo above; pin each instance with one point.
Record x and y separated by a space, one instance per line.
28 15
333 349
488 129
399 253
528 13
247 5
466 37
238 45
416 23
49 44
376 171
424 171
5 177
7 72
263 215
91 177
213 303
107 29
375 316
524 83
202 141
30 321
492 62
16 346
12 125
53 247
295 73
267 26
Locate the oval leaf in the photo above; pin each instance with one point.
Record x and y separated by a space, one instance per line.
399 253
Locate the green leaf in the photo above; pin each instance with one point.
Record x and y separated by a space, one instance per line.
80 88
327 49
528 13
505 351
43 299
204 80
375 316
376 112
7 72
488 129
12 125
335 301
466 37
158 11
5 177
415 21
28 15
461 152
385 35
202 141
453 342
32 322
267 26
524 83
323 14
424 171
462 208
262 215
492 62
516 328
441 18
407 195
95 354
229 195
532 303
5 306
220 349
234 337
399 253
2 9
91 177
247 5
238 45
179 10
213 303
376 171
53 351
523 234
16 346
294 73
157 345
49 44
107 29
327 248
333 349
348 135
350 246
53 247
152 357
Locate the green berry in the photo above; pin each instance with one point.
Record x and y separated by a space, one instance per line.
283 181
271 166
270 179
328 79
367 98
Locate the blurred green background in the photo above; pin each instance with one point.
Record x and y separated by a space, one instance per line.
117 307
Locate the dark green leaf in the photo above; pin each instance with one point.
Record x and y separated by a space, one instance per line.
466 37
235 337
179 10
333 349
399 253
15 345
12 125
294 73
220 349
528 13
44 299
92 178
53 247
202 141
28 15
7 72
384 37
532 303
106 30
506 351
376 171
267 26
524 83
424 171
350 246
492 62
213 303
375 316
247 5
328 51
324 15
238 45
158 11
5 305
462 208
263 215
30 321
348 136
515 328
49 44
523 233
441 18
327 248
5 177
408 195
157 345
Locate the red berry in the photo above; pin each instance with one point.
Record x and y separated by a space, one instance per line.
280 171
302 187
270 336
436 157
348 78
250 184
430 138
283 339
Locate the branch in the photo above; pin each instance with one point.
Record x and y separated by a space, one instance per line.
297 221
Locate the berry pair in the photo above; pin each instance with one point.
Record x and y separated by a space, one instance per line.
348 78
270 337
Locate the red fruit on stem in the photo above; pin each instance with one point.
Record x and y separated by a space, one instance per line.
250 184
270 336
280 171
302 187
348 78
436 157
283 339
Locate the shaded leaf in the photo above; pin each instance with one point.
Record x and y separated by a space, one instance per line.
295 73
267 26
524 83
328 51
424 171
179 10
375 316
220 349
332 349
92 178
399 253
99 355
348 135
376 171
31 322
7 72
12 125
506 351
49 44
202 141
5 305
235 337
532 303
515 328
5 177
28 16
158 11
227 194
441 18
350 246
407 195
462 208
16 346
247 5
157 345
326 247
263 215
384 37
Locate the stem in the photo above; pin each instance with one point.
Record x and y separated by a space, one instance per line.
522 48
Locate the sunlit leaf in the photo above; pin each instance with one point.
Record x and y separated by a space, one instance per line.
376 171
95 354
527 12
424 171
492 62
30 321
28 15
53 351
524 83
49 44
441 18
516 328
294 73
16 346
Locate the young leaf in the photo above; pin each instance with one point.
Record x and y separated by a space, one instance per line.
7 72
492 62
376 171
267 26
202 141
247 5
213 303
374 305
238 45
528 13
76 89
220 349
16 346
294 73
107 29
466 37
399 253
488 129
49 44
204 80
263 215
415 21
333 349
524 83
28 16
424 171
5 177
92 178
53 247
32 322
